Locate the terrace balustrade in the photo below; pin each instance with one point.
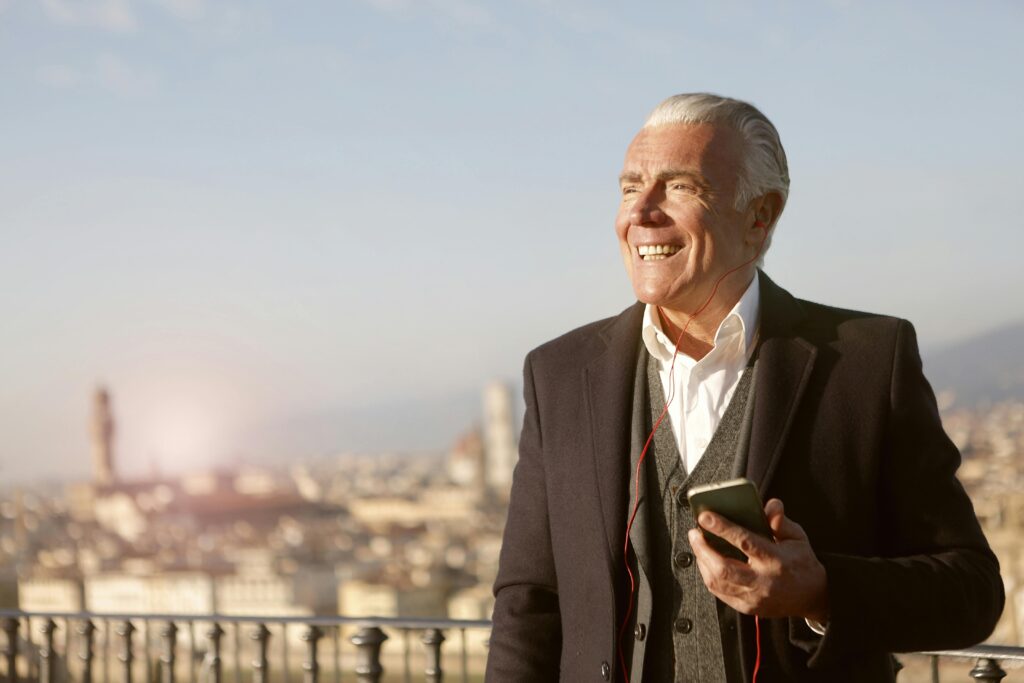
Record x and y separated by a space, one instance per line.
47 662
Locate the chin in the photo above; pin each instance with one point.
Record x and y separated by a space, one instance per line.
652 298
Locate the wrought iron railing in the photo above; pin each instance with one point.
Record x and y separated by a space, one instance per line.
987 659
50 659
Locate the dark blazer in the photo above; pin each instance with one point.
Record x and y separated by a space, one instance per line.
845 431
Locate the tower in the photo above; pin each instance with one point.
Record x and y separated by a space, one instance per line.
499 437
102 438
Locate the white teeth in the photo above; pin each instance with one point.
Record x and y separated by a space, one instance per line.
662 250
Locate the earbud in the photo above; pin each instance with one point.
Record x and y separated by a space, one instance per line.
760 224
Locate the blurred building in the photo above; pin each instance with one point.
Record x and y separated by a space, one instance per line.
467 466
500 446
103 438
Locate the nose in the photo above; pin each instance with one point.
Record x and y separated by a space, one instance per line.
646 210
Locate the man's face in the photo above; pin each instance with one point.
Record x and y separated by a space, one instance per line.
677 226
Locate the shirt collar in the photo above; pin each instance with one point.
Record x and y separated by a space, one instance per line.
742 320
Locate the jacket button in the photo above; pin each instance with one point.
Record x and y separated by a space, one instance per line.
684 625
606 671
640 632
684 559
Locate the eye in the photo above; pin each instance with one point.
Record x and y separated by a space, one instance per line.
630 189
683 187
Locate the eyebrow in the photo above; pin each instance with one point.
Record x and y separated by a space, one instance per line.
668 174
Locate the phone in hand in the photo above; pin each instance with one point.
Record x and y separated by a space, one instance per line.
738 501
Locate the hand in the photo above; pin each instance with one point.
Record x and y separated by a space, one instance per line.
780 579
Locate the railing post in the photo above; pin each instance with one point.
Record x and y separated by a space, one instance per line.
10 627
213 635
368 641
260 666
46 669
987 670
125 630
86 630
432 638
169 633
311 666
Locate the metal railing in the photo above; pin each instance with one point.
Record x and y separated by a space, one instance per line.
50 662
987 660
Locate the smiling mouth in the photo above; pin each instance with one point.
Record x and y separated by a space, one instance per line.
656 252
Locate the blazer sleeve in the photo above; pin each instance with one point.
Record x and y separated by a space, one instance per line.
936 584
526 638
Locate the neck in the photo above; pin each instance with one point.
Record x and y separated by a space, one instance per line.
702 323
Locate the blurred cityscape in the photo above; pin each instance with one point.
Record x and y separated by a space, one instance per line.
381 534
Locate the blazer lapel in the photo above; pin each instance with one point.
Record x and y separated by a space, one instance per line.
784 365
637 491
609 382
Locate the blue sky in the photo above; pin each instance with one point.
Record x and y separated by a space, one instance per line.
279 229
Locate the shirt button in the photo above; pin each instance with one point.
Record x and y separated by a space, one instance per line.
684 625
606 671
640 632
702 443
684 559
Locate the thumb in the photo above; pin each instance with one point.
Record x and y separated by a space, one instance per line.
782 527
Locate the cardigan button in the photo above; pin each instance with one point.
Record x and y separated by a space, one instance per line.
606 671
684 559
684 625
640 632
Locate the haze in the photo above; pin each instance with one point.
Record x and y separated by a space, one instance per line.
282 229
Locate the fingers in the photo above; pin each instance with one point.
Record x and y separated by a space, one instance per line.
751 544
731 581
783 527
719 572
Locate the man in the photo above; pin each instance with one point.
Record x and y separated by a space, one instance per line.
877 548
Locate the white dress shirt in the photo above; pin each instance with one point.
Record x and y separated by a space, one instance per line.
701 390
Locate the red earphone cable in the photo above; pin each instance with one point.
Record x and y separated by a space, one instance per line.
757 637
643 454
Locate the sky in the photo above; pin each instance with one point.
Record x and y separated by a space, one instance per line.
284 229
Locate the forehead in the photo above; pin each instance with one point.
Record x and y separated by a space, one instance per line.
711 150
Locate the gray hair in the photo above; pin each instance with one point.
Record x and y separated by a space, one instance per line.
764 161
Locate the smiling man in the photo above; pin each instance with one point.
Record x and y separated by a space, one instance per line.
715 373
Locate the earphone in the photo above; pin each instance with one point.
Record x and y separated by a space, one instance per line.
760 224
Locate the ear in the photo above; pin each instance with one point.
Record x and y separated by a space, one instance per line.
765 210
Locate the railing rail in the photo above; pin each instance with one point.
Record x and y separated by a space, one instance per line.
41 661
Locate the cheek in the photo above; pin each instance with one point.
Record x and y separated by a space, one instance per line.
622 221
622 231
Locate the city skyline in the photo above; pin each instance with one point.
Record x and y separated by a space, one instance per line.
252 220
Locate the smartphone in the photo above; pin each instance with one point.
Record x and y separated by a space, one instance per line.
738 501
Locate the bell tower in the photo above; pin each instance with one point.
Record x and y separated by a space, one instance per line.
102 438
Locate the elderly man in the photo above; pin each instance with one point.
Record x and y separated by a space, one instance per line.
876 549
